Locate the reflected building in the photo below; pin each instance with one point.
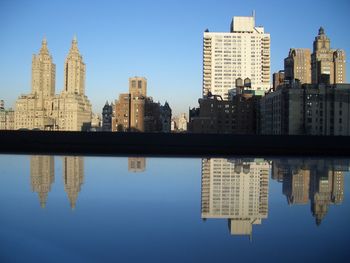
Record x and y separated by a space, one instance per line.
73 177
327 187
42 176
320 181
136 164
236 189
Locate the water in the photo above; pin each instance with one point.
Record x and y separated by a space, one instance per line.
106 209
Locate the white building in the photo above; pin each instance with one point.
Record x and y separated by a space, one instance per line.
242 53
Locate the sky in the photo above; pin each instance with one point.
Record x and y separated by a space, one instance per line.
159 40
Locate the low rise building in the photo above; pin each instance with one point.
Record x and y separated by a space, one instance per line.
136 112
7 117
236 116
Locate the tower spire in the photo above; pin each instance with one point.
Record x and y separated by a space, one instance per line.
44 49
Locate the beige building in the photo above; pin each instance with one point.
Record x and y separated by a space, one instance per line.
298 65
42 176
7 117
237 190
325 60
42 109
242 53
31 110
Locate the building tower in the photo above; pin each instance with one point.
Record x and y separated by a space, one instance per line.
43 73
31 109
325 60
74 71
242 53
72 108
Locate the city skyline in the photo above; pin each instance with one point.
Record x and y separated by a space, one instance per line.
171 42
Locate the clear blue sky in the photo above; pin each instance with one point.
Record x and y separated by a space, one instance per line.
161 40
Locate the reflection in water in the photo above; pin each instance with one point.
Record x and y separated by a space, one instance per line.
236 189
321 181
42 176
73 176
136 164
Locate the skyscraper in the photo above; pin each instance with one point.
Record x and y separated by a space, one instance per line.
72 109
298 65
242 53
236 190
31 109
325 60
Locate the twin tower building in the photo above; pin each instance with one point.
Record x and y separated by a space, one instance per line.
43 109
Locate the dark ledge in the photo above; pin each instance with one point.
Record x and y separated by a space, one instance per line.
170 144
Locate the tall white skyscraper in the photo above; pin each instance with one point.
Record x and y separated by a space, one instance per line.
244 52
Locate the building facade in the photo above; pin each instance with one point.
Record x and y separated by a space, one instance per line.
308 109
235 116
107 115
244 52
42 109
298 65
7 117
136 112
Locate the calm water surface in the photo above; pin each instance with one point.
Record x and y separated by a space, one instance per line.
106 209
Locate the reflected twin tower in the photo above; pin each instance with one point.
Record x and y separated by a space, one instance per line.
42 174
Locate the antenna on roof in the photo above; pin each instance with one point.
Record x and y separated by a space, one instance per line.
254 14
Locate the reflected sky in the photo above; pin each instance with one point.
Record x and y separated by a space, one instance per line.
106 209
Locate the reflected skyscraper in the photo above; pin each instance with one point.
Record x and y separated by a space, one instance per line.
42 176
73 177
320 181
136 164
235 189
